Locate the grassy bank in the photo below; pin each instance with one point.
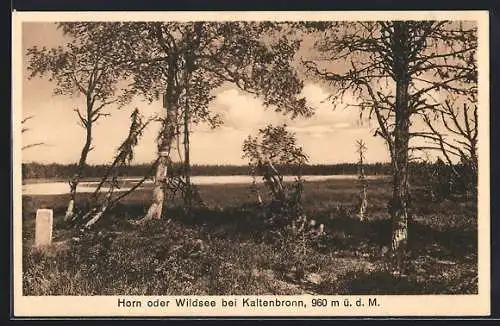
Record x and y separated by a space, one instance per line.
226 248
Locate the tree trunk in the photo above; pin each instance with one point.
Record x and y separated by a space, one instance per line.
70 211
400 151
187 164
165 140
399 210
104 207
156 208
363 203
189 64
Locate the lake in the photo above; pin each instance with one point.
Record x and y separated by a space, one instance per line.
62 188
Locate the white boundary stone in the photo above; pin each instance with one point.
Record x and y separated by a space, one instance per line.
43 227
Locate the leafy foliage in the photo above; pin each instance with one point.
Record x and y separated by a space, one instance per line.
82 66
212 53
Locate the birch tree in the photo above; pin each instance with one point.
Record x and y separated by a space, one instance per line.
81 68
397 70
167 59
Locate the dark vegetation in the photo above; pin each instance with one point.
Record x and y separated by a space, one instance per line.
227 248
65 171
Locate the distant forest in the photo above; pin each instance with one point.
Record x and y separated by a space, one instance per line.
64 171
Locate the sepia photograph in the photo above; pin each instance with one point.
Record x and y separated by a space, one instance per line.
279 160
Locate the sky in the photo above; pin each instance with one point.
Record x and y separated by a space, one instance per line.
328 137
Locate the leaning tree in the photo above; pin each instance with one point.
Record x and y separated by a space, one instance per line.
178 61
396 70
82 68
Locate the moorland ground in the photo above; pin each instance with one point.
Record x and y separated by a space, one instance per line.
226 248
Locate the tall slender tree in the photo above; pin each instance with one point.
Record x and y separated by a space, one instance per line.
81 68
397 70
363 202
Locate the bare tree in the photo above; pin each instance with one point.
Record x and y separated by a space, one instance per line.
395 69
81 67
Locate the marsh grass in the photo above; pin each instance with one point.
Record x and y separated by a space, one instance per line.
226 248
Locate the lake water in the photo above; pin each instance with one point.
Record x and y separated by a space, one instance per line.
62 188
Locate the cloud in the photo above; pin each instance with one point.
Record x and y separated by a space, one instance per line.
343 125
328 117
242 111
246 113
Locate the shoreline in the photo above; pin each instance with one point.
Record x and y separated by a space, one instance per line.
88 186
